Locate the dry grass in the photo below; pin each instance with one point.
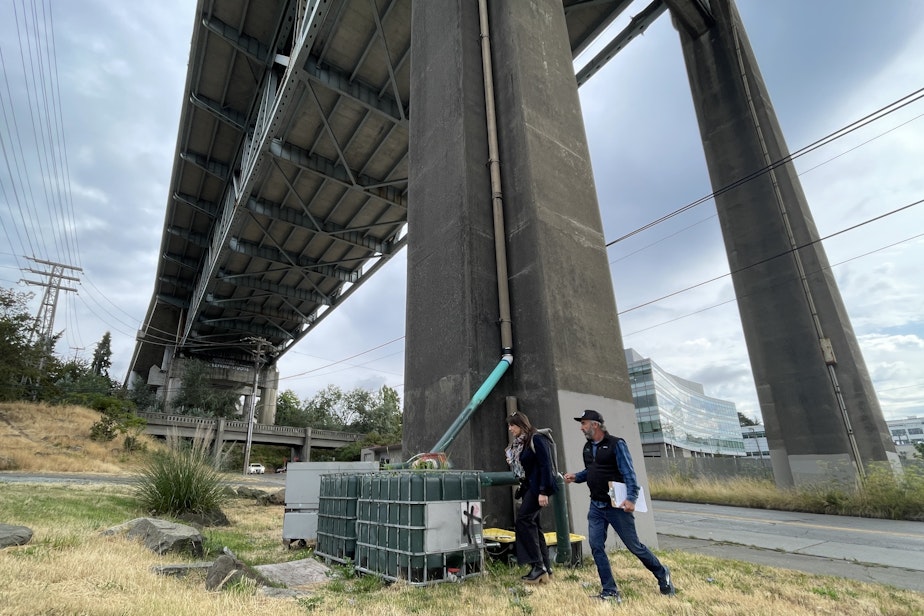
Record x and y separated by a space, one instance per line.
39 437
63 574
69 568
736 491
883 496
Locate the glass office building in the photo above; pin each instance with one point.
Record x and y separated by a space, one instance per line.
907 431
675 416
755 441
907 434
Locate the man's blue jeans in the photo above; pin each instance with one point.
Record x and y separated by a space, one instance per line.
623 522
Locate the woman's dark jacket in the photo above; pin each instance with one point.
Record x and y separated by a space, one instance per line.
537 464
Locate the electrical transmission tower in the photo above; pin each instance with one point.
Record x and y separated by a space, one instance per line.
43 330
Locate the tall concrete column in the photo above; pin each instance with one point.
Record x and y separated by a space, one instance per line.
567 347
219 442
269 391
821 413
305 451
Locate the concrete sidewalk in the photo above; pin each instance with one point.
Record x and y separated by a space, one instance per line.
865 549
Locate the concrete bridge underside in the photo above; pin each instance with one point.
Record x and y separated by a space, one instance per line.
311 141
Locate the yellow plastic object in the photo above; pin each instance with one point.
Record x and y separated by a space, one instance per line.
552 538
507 536
499 534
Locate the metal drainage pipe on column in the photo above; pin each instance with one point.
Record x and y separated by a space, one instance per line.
559 502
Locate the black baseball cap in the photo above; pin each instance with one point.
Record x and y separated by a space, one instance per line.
590 415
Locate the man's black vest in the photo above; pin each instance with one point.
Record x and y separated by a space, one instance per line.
602 468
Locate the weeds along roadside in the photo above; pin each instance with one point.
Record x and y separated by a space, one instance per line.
882 495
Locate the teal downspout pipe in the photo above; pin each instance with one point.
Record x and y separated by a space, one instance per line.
473 405
562 523
498 478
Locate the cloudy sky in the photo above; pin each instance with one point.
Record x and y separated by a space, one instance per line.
104 99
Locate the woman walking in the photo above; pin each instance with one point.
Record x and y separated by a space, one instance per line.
530 459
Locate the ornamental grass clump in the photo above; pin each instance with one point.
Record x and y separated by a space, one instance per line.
183 479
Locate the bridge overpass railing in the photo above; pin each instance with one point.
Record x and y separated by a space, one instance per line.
225 430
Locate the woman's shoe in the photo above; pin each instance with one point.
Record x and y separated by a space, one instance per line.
537 575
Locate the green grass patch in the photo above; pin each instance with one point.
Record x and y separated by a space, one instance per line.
87 507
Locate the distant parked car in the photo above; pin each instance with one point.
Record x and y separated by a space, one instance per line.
256 469
281 469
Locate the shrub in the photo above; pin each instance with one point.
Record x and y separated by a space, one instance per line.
118 417
182 480
886 494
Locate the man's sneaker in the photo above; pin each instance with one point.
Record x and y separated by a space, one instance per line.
665 584
617 598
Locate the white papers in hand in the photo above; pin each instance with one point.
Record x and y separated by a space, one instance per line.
618 495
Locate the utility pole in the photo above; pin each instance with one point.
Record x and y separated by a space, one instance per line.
43 330
259 359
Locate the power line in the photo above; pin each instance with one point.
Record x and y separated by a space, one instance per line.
40 93
363 366
809 170
734 299
841 132
776 256
345 359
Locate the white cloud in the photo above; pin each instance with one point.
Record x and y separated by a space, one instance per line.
123 69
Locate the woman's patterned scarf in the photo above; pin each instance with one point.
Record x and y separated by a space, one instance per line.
513 456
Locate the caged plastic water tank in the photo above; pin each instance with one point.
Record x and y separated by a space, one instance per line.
337 506
420 526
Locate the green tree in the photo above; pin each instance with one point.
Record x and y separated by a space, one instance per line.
102 356
357 410
197 395
919 450
143 396
378 412
19 359
74 382
118 417
289 410
323 410
744 420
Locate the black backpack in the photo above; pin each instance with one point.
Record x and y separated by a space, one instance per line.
547 434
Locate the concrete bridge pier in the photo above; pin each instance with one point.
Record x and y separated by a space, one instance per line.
567 345
822 416
217 444
168 380
305 450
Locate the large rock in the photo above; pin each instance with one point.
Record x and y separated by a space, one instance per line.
227 569
14 535
266 498
248 492
215 517
161 536
297 574
275 498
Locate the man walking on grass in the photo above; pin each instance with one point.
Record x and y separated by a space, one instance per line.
606 459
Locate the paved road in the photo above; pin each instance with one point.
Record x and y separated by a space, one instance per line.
870 550
268 481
